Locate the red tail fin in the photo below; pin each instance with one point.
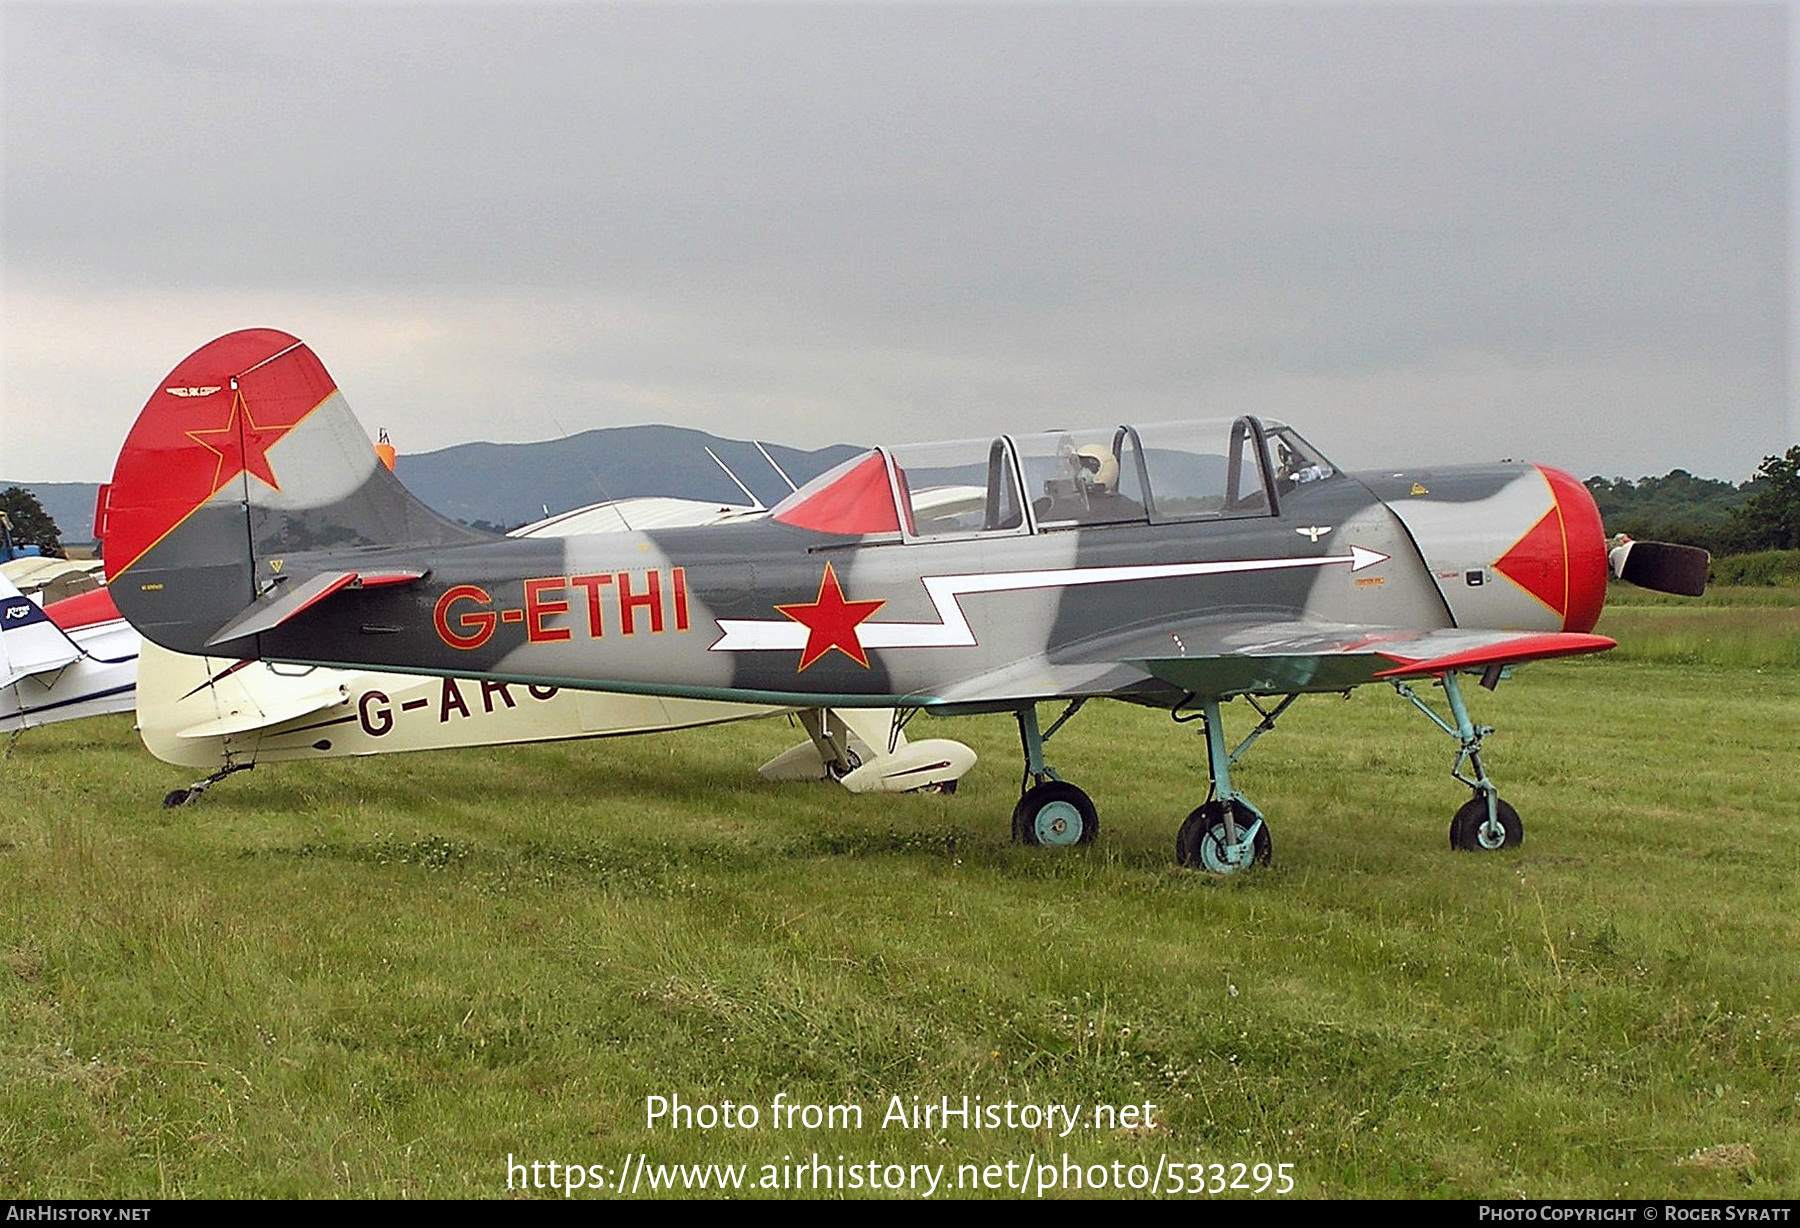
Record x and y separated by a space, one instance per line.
208 428
243 472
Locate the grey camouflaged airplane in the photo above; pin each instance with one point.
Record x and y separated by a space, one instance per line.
1177 566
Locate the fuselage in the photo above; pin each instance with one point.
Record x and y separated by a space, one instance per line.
738 611
101 679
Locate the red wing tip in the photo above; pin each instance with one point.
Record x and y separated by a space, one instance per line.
1526 648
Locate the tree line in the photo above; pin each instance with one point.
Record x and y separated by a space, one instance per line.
1761 514
27 523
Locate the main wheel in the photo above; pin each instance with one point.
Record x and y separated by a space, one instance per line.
1055 813
1466 829
1201 843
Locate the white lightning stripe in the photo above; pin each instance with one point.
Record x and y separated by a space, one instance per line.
953 630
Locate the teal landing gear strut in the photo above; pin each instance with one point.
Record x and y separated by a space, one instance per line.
1228 833
1051 811
1485 822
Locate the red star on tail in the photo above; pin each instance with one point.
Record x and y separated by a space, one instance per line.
831 622
245 451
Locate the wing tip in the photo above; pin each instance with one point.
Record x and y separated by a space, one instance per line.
1509 652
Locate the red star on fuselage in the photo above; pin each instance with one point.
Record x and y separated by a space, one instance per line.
245 451
831 622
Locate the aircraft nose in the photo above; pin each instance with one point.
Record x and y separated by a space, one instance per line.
1561 559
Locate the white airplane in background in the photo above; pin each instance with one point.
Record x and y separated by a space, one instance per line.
78 658
224 715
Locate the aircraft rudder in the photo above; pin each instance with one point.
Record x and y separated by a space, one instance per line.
188 444
244 456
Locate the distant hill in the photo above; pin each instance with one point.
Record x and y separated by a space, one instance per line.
511 483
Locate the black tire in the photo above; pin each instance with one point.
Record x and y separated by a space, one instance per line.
177 797
1200 843
1057 814
1465 828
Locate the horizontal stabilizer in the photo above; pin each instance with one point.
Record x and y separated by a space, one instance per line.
267 613
265 716
1662 567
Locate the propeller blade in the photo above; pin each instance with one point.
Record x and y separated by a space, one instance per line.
1662 567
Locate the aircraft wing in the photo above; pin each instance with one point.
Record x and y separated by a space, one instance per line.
1224 657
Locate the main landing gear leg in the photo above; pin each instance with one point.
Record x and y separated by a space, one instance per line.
1228 833
1485 822
1050 810
833 744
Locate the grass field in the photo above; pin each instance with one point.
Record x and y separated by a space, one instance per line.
382 978
1755 628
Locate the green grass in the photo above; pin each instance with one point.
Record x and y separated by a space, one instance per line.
381 977
1737 628
1779 596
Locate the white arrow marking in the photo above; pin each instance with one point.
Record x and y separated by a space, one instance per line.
953 630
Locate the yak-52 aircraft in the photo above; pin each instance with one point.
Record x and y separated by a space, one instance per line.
1177 566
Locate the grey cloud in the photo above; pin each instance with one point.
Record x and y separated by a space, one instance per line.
854 220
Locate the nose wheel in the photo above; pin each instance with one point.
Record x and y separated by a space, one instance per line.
1208 842
1486 822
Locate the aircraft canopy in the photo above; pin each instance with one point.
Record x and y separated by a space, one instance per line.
1217 469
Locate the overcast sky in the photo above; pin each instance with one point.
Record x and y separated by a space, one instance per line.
1420 234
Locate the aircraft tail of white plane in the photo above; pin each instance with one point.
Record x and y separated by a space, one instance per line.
49 673
29 642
